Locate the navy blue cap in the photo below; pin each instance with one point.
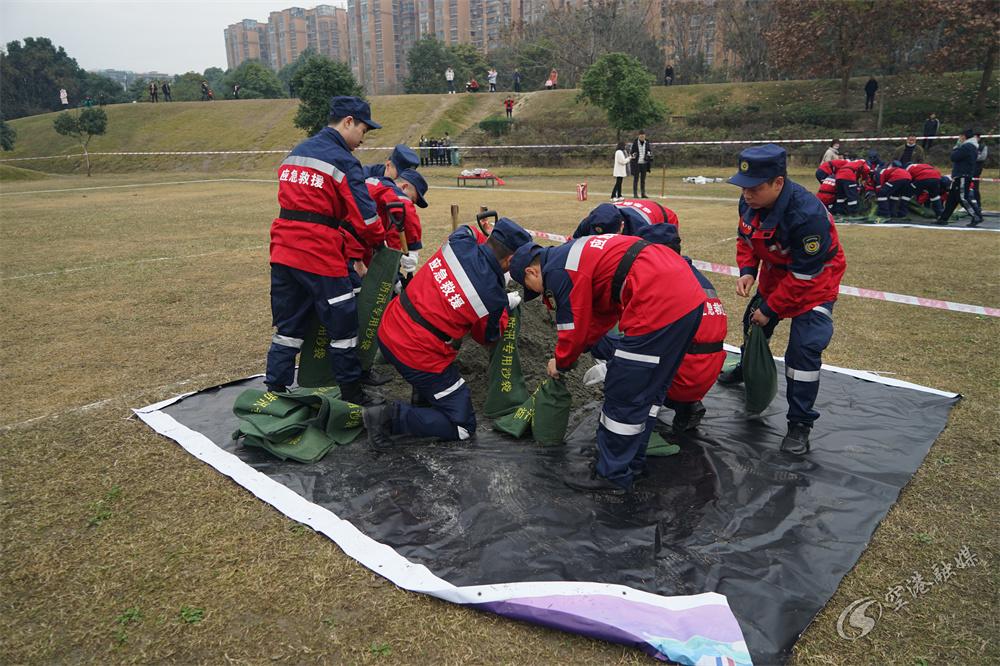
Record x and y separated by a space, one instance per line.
343 106
605 219
419 184
403 158
510 234
522 258
759 164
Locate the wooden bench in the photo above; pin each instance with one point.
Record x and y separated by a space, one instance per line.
490 181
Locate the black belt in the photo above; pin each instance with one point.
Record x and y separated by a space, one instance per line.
704 347
309 216
407 304
623 268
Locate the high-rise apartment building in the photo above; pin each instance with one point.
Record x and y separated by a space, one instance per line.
246 40
287 34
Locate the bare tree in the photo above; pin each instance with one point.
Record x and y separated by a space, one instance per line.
744 23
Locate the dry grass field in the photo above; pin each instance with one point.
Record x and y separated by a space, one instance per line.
121 290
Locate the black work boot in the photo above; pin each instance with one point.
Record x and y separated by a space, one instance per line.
796 440
687 416
277 388
375 377
378 423
354 393
418 400
975 222
733 376
590 481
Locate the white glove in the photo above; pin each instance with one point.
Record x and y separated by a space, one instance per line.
408 262
513 299
506 279
596 374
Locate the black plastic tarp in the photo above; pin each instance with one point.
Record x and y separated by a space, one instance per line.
729 513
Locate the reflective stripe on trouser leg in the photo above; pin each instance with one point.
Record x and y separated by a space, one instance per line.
291 308
632 387
811 333
339 316
884 208
450 416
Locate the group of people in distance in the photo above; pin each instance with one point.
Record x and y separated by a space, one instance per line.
894 184
623 269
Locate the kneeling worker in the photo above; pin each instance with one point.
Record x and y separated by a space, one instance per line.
460 288
651 293
789 238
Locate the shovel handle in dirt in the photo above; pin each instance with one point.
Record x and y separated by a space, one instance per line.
485 215
397 213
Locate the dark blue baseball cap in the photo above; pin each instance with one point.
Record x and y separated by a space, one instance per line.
403 158
759 164
523 256
342 106
419 184
605 219
510 234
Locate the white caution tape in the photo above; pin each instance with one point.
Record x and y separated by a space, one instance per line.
873 294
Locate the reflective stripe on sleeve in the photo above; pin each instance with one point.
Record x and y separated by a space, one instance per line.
451 389
286 341
802 375
565 327
573 258
313 163
371 220
820 309
641 358
626 429
371 181
654 411
456 269
346 343
711 293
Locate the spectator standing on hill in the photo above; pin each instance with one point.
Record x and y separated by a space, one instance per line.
963 168
153 88
449 76
491 78
552 82
236 91
620 170
870 88
909 152
833 152
204 91
63 97
423 150
668 75
165 89
931 127
508 104
641 156
517 80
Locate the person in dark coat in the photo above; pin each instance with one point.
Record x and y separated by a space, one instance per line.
668 75
870 89
641 156
931 127
963 169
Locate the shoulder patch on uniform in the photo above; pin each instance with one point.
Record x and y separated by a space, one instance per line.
811 244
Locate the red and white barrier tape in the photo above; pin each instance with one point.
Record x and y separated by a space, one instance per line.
873 294
533 146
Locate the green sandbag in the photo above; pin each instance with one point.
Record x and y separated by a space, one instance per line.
552 406
760 376
659 447
301 425
376 292
545 414
507 390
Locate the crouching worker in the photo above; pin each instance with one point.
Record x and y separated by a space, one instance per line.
459 290
593 283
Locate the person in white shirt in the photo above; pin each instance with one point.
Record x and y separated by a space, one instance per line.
449 76
491 77
832 153
620 170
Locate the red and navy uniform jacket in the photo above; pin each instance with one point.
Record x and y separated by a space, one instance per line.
830 168
459 290
698 371
923 172
660 289
645 210
794 251
891 174
852 170
321 176
384 191
828 191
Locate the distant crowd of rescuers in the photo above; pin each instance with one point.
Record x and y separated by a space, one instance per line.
622 268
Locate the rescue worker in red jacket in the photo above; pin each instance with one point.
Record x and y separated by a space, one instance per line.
594 283
322 195
788 240
703 360
628 219
893 196
927 180
460 290
827 193
848 175
409 189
